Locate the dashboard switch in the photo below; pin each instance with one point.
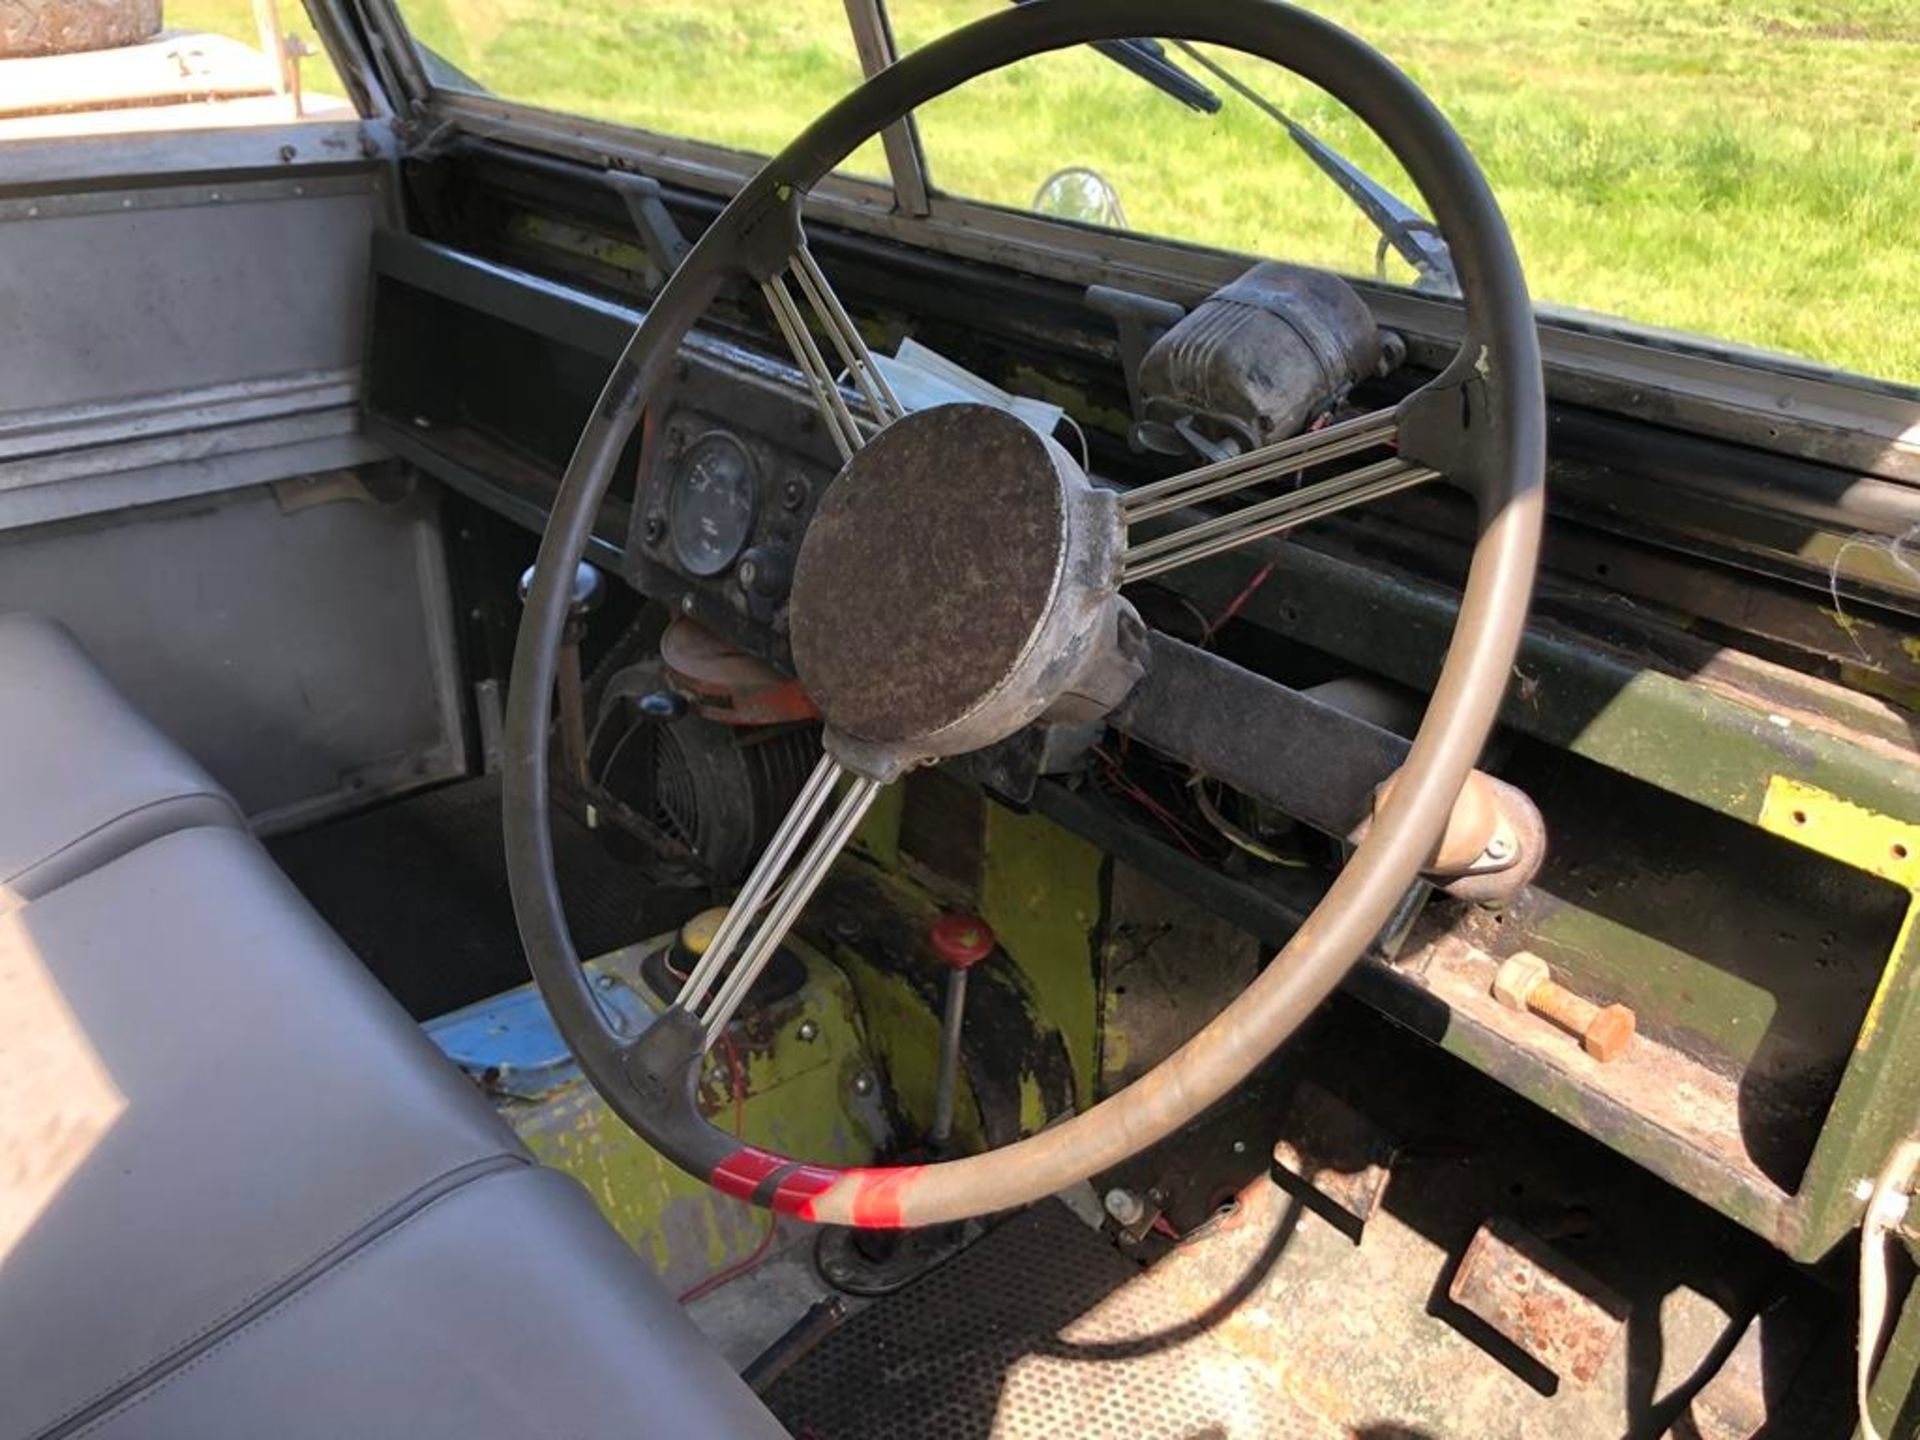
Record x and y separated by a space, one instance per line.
766 571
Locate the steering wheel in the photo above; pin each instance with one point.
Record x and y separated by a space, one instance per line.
962 579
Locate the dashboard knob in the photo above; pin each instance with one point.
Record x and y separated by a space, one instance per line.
663 705
588 586
767 572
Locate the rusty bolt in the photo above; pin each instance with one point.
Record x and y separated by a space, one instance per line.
1518 977
1524 983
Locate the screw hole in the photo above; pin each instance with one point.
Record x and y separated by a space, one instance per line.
1799 817
1899 852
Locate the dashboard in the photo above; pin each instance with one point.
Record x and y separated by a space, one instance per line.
728 481
482 376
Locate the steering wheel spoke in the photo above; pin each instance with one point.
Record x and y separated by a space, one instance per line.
1155 555
878 406
789 871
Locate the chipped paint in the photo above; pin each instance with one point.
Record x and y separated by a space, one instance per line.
799 1101
1882 845
1041 893
1850 626
906 1043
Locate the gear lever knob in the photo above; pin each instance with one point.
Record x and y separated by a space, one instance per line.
588 586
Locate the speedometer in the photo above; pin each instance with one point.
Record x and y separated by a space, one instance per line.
710 504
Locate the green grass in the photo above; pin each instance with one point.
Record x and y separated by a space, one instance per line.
1743 168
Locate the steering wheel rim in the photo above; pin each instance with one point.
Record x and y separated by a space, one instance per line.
1482 421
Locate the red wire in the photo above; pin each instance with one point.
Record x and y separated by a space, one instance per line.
1238 603
734 1271
1235 605
1153 807
740 1267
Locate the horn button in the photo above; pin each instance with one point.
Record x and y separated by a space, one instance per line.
959 581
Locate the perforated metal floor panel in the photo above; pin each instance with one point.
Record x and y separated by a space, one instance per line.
1040 1331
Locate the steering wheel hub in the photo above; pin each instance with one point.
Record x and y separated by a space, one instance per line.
958 581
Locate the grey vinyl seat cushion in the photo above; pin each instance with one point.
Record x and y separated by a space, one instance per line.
242 1195
86 776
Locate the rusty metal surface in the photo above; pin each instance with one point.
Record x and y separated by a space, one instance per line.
1336 1152
1683 1097
927 569
729 684
1555 1312
1364 1333
1169 967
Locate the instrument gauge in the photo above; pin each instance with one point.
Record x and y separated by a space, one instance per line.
710 504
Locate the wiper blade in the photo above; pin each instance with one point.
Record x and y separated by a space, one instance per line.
1148 60
1411 234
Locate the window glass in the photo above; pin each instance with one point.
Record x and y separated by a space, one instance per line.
1741 169
90 66
748 74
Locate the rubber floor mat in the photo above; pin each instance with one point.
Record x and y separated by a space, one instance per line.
418 890
1039 1331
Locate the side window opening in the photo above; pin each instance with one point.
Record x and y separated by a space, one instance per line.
1671 166
1676 165
737 73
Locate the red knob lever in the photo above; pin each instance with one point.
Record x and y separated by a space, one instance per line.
961 941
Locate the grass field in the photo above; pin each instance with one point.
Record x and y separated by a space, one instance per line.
1743 168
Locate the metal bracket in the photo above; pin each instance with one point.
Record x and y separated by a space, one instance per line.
873 41
664 243
1140 320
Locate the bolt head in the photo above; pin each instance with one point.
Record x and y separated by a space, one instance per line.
863 1083
1609 1034
1517 977
809 1030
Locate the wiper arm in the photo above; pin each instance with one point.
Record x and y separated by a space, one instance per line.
1400 225
1148 60
1411 234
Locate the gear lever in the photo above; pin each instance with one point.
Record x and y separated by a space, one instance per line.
588 588
961 942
